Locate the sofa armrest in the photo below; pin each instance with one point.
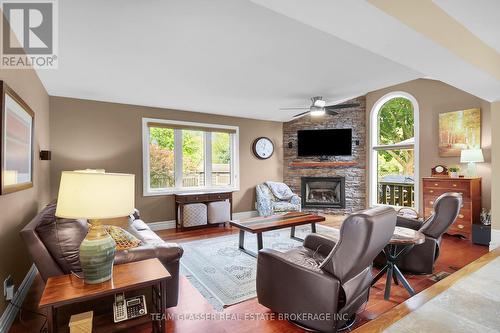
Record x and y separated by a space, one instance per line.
166 253
295 200
136 215
320 243
408 223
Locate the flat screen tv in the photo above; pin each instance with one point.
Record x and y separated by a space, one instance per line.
325 142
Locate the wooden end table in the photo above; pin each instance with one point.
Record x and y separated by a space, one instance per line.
403 240
258 225
68 289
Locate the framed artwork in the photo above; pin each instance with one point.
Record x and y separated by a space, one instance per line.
16 142
459 130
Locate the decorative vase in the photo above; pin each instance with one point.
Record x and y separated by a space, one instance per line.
97 254
454 174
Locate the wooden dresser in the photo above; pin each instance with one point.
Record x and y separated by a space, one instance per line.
470 188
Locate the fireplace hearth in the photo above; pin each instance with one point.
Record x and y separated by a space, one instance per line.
323 192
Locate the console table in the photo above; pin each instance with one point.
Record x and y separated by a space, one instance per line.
68 289
181 200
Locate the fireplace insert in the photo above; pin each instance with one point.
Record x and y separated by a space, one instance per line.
323 192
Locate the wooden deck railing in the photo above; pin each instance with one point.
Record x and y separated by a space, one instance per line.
396 194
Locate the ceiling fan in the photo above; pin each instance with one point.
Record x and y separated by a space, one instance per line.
319 108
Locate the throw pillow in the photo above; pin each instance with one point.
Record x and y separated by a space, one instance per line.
62 238
123 239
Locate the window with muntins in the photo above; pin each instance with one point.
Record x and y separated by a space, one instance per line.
394 160
182 157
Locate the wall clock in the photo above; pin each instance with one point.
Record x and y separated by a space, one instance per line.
263 148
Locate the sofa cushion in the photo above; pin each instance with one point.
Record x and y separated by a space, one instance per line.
62 238
149 237
140 225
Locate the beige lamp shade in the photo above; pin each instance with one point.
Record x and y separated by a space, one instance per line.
471 155
95 195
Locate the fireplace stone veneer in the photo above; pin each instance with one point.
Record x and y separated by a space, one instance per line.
351 168
324 192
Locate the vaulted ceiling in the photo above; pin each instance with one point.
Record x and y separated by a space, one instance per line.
249 58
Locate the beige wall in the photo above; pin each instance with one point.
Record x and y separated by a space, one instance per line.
495 167
90 134
435 97
19 208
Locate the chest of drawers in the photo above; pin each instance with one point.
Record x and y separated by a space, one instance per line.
470 188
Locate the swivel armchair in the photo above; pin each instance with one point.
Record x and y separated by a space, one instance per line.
421 258
322 284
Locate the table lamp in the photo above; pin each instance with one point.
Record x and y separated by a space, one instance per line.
471 156
95 196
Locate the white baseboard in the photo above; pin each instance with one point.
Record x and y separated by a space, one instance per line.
11 311
163 225
495 239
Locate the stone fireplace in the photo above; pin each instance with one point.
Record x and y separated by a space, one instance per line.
352 169
323 192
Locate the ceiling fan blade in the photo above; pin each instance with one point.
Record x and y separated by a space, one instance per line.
331 112
295 108
301 114
341 106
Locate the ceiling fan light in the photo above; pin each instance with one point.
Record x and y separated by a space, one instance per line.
320 103
317 112
317 101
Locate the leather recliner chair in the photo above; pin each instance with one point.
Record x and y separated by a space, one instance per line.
421 258
322 284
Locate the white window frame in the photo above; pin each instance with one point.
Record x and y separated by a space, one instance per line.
235 159
375 147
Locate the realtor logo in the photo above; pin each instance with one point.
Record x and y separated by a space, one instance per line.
29 34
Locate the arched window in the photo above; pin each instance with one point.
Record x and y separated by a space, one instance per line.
394 178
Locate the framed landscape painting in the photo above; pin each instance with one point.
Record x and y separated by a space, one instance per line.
16 142
459 130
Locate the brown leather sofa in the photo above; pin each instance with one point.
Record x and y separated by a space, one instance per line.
322 284
53 244
421 258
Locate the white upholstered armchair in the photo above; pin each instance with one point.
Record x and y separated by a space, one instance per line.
273 197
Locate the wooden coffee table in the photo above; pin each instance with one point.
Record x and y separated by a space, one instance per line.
258 225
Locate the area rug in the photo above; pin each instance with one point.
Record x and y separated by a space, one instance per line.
223 274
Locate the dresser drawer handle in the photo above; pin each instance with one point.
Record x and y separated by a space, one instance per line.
460 226
436 184
431 202
431 191
196 198
461 216
454 185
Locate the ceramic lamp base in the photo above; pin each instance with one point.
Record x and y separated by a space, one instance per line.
97 253
471 169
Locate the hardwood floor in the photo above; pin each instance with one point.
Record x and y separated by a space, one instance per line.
250 316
